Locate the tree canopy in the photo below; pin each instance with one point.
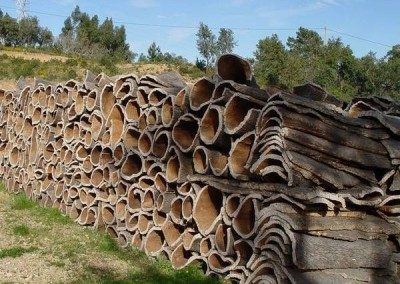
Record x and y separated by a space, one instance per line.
306 58
86 36
210 47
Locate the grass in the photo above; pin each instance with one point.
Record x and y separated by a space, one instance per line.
64 245
15 251
21 230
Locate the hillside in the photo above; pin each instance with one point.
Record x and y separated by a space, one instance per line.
62 68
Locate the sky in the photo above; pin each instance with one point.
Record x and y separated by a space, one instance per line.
364 25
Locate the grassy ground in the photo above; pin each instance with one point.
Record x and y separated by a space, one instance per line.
39 245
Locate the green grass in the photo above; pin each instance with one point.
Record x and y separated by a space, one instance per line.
15 251
70 249
21 230
22 202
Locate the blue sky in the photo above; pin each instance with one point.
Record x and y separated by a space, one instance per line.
172 23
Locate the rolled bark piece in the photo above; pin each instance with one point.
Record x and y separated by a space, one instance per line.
132 167
93 100
182 98
240 115
145 222
97 124
159 218
178 167
186 132
126 86
239 155
63 96
131 137
137 240
148 200
200 160
164 201
154 242
88 216
96 178
235 68
224 240
107 100
115 122
225 89
212 128
191 240
181 258
119 152
219 263
108 214
95 154
161 144
201 93
245 217
134 200
170 112
207 244
132 111
153 119
145 143
176 211
206 211
187 208
172 233
143 96
156 97
124 238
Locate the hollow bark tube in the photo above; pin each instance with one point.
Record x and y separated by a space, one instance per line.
186 133
235 68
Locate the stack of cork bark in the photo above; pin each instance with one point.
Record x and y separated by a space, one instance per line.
256 186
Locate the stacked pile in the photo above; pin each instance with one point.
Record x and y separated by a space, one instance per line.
258 187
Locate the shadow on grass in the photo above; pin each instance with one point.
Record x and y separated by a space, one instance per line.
148 274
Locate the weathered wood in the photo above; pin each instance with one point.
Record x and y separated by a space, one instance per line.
391 122
316 93
365 174
323 253
337 135
374 133
393 147
346 153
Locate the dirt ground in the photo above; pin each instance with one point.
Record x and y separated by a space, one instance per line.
30 55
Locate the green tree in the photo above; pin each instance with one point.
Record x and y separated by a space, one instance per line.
9 30
308 45
28 31
206 44
45 37
84 35
270 59
226 42
154 53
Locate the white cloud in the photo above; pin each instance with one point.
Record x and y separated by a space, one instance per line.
143 3
179 34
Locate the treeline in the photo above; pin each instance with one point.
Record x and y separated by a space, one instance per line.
81 35
26 32
302 58
306 58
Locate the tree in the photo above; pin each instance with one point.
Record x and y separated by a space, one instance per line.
308 45
9 30
206 44
45 37
28 31
154 53
84 35
225 42
270 58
